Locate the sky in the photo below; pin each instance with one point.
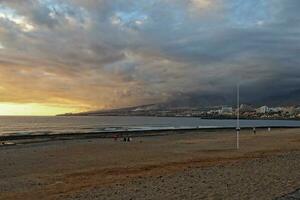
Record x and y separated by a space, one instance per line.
60 56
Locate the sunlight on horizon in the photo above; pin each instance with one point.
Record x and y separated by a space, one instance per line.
33 109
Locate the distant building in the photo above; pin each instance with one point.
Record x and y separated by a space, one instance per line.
276 109
226 110
262 110
213 112
297 110
246 108
289 110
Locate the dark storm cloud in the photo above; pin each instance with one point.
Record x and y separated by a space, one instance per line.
135 52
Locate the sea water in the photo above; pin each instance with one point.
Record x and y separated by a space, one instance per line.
16 125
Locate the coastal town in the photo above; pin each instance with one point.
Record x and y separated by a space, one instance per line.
210 112
245 111
228 112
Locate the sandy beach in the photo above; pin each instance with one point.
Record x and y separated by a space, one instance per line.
186 165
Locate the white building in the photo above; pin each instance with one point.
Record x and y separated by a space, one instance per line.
226 110
263 109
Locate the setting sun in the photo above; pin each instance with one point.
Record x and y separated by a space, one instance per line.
33 109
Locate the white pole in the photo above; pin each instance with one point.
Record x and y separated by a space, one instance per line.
238 118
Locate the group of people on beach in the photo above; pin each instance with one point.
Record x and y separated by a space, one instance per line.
129 139
254 130
125 138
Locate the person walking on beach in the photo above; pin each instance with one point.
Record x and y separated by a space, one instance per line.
115 136
254 130
269 129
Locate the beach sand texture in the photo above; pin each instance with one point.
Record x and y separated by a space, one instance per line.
193 165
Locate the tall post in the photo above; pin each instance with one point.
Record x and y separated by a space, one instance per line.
238 117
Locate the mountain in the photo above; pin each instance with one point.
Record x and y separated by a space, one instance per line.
201 102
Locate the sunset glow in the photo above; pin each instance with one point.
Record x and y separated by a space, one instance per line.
33 109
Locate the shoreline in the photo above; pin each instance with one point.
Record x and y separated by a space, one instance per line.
171 116
131 133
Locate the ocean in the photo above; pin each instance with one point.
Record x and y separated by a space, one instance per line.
16 125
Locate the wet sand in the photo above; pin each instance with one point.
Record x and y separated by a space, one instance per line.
189 165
